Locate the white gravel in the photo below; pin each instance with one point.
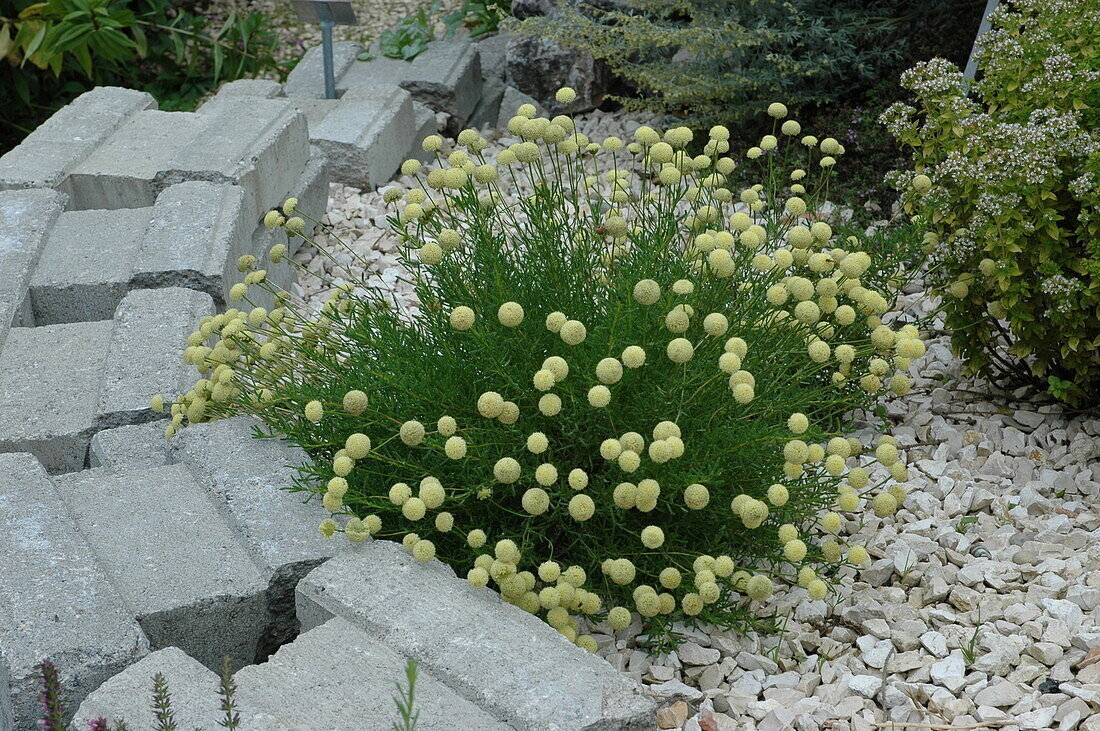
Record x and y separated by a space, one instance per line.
979 605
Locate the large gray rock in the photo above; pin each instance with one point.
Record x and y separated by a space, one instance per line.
198 230
177 564
249 480
336 676
366 136
446 76
145 352
506 660
57 602
50 152
511 100
307 79
538 67
79 277
26 219
128 696
50 378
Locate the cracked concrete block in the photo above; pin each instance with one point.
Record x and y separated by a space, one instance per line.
197 232
50 378
26 219
57 601
46 156
85 268
446 76
307 79
130 446
144 355
128 696
329 678
180 568
495 661
367 135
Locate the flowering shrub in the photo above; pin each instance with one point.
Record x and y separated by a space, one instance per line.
1007 181
620 392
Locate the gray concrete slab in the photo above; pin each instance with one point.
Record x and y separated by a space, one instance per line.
337 676
307 79
50 152
508 662
26 219
180 568
122 171
49 380
57 601
128 696
136 445
85 267
446 76
487 111
367 136
144 355
197 232
248 480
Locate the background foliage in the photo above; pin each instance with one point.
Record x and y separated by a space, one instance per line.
1011 190
50 52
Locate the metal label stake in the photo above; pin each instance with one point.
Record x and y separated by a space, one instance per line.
327 13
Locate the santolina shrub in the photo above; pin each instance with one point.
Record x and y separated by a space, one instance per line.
1006 178
622 392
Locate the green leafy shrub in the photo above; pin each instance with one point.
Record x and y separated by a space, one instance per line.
144 44
617 392
716 61
1007 180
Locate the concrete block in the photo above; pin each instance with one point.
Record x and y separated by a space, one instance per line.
249 480
145 354
315 110
136 445
197 232
180 568
512 100
260 144
49 153
247 88
50 379
367 135
57 602
26 219
339 677
307 79
85 267
425 125
446 76
487 111
508 662
311 190
493 50
128 696
122 171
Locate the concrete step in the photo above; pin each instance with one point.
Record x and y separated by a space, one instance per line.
128 696
248 479
505 660
57 601
26 219
48 154
60 384
446 76
336 676
178 566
